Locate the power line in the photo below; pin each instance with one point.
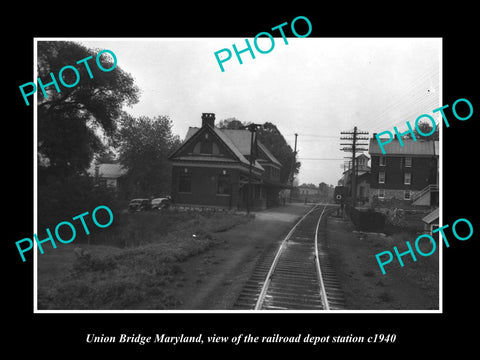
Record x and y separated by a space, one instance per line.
313 135
417 83
426 80
405 100
413 109
320 141
320 158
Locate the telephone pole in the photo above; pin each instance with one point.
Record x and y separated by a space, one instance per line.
353 146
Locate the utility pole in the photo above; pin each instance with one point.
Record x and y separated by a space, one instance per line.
293 166
353 146
253 129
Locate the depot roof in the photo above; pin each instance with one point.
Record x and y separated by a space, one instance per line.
239 142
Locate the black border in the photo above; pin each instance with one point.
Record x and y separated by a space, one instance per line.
58 333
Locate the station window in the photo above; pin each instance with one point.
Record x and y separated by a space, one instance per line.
407 179
185 182
224 186
383 161
407 195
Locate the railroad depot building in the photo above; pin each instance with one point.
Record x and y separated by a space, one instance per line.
408 172
211 169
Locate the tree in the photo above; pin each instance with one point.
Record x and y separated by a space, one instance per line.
73 125
71 122
144 145
106 156
231 123
425 128
270 136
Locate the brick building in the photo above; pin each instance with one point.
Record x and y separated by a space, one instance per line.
408 172
211 168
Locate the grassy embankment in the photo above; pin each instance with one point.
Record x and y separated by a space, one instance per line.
133 261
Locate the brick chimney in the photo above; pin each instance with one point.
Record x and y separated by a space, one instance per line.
208 119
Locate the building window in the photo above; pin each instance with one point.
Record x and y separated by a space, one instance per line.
381 193
407 180
408 162
223 187
407 195
185 183
381 177
383 161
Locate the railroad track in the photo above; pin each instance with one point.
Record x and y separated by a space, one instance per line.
298 275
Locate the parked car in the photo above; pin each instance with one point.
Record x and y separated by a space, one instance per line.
139 205
160 203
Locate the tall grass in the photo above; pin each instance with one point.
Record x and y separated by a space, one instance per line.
155 244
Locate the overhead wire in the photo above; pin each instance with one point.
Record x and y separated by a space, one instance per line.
413 86
405 100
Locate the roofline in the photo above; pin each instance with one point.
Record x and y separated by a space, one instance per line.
404 155
187 141
269 154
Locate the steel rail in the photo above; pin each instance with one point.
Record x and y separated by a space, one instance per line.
323 293
266 284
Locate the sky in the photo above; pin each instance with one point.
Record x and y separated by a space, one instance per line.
315 87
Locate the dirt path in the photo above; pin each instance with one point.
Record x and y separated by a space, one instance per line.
214 279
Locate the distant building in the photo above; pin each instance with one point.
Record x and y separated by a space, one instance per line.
363 187
211 168
323 188
109 175
308 191
408 173
431 221
362 179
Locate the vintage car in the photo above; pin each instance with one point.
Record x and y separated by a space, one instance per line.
160 203
139 205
